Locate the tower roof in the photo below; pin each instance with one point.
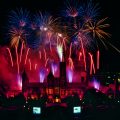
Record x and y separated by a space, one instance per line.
50 75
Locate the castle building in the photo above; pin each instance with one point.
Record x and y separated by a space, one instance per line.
54 86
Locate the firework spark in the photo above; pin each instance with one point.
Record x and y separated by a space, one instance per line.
73 9
17 59
70 50
79 56
21 52
30 64
45 22
60 51
40 54
35 66
19 18
92 66
83 50
16 36
54 67
96 28
98 59
26 55
11 59
90 11
71 64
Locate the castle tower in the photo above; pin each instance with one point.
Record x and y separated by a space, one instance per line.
63 80
50 83
25 81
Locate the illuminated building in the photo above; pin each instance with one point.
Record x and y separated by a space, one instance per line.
55 86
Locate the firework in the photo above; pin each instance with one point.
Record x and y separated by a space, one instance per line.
45 55
73 9
60 51
114 47
82 39
90 11
35 66
11 59
49 38
46 62
54 68
98 59
83 50
17 35
70 50
19 18
43 38
45 22
79 56
21 52
43 32
71 65
92 66
17 59
18 22
64 43
30 64
26 55
96 28
90 63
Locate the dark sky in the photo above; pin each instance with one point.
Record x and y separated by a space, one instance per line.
110 8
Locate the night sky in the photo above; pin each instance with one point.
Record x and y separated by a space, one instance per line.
110 58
